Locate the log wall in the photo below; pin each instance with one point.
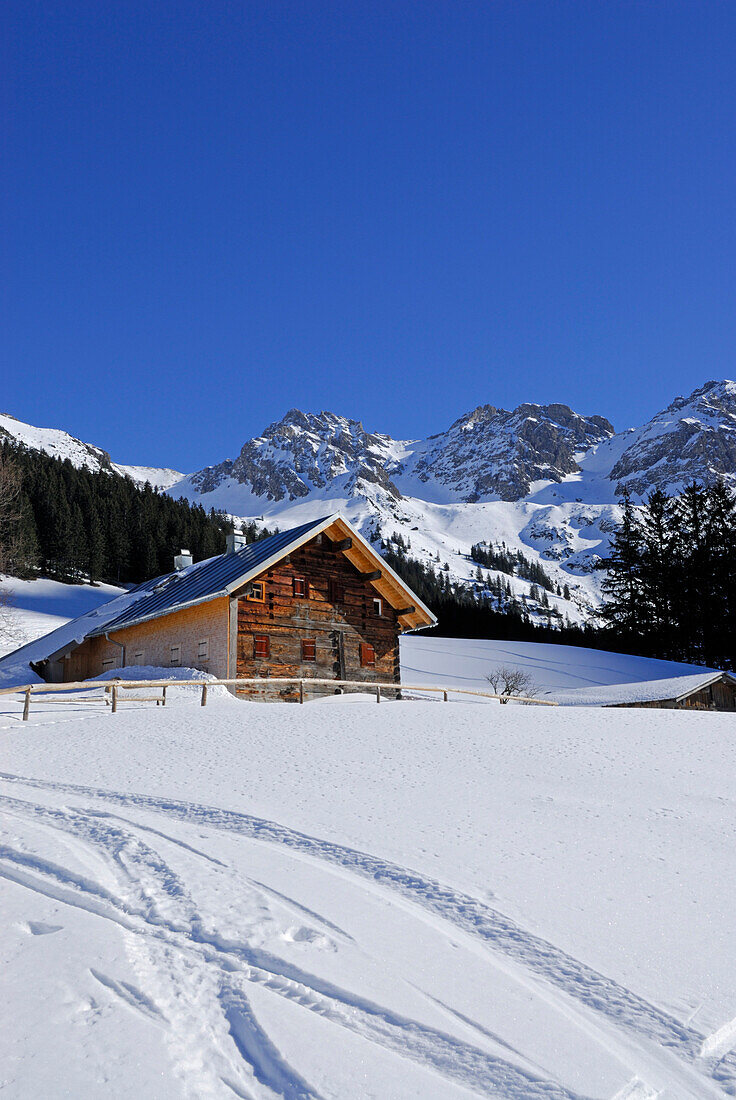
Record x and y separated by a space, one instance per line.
338 626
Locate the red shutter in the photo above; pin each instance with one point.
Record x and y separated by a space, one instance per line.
301 588
309 649
261 647
367 655
337 592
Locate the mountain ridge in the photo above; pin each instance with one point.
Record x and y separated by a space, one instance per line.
542 480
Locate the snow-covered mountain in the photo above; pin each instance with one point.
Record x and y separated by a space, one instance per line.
494 454
694 437
541 479
489 454
59 444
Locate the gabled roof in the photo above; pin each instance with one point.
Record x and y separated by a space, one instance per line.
216 577
225 574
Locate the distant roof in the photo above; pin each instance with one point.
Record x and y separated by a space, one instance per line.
672 689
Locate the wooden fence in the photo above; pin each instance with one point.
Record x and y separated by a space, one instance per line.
114 687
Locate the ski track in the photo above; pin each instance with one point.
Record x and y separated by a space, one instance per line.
165 914
443 1053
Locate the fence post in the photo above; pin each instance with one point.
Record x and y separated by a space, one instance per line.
301 691
163 696
378 695
27 705
114 698
444 696
204 695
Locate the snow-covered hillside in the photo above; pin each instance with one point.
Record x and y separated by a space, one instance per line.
554 670
59 444
30 609
418 900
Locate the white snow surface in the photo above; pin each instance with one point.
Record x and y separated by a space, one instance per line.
424 900
570 675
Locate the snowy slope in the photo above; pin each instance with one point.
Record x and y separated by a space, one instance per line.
37 607
558 671
427 900
59 444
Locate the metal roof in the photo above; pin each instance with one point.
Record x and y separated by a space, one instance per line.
206 580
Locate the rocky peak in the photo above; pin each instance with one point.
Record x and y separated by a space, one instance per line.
307 451
493 453
694 438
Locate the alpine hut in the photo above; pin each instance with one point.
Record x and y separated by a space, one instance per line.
316 601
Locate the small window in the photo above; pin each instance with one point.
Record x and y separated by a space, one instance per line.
337 592
301 589
203 649
261 647
367 655
377 606
175 656
255 591
309 649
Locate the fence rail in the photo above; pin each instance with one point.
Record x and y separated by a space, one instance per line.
113 687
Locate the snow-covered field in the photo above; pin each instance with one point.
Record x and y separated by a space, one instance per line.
418 900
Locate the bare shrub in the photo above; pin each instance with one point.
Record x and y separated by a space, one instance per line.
511 682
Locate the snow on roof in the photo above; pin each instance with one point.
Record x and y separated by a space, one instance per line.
646 691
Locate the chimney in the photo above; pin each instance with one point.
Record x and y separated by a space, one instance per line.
183 560
235 541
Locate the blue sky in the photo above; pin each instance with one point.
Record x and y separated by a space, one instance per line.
213 212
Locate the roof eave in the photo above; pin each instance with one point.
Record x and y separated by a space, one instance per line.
704 684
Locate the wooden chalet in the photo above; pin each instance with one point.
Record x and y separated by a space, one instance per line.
316 601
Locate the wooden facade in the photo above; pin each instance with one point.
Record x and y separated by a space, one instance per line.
315 615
